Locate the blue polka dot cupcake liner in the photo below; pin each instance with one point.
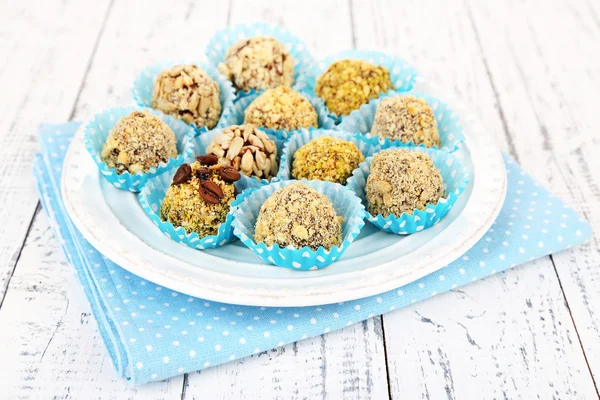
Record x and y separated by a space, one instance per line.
97 130
201 140
151 198
448 123
402 75
346 205
224 39
306 135
144 84
455 175
235 115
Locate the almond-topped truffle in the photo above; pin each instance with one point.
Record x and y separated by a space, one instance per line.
258 63
348 84
281 108
188 93
199 196
247 149
138 142
297 215
326 158
402 181
408 119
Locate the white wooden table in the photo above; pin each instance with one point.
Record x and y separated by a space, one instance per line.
531 69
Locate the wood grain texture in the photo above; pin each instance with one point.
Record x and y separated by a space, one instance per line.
550 93
40 79
140 33
346 364
55 349
527 68
446 36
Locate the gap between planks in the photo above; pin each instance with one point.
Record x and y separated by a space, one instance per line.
514 153
38 206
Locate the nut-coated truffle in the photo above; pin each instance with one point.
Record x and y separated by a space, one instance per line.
188 93
138 142
408 119
402 181
348 84
297 215
198 199
281 108
258 63
247 149
326 158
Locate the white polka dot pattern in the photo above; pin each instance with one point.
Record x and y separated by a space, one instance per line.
454 174
144 85
151 197
152 333
346 205
449 127
235 115
97 130
219 44
403 75
304 136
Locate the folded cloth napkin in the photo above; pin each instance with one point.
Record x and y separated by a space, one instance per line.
153 333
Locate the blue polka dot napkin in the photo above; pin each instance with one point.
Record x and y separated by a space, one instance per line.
153 333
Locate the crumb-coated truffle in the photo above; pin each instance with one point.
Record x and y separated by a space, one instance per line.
247 149
348 84
402 181
257 63
326 158
408 119
188 93
281 108
199 197
138 142
297 215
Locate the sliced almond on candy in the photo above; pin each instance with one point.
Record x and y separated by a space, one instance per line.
183 174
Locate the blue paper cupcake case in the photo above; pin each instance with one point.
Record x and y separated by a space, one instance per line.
306 135
151 198
448 123
97 130
144 85
402 75
201 140
235 114
455 175
345 203
224 39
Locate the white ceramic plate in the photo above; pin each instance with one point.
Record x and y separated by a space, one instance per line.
113 221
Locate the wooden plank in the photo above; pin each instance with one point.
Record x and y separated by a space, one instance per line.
551 63
49 43
140 33
53 348
346 364
507 336
451 45
136 33
433 352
